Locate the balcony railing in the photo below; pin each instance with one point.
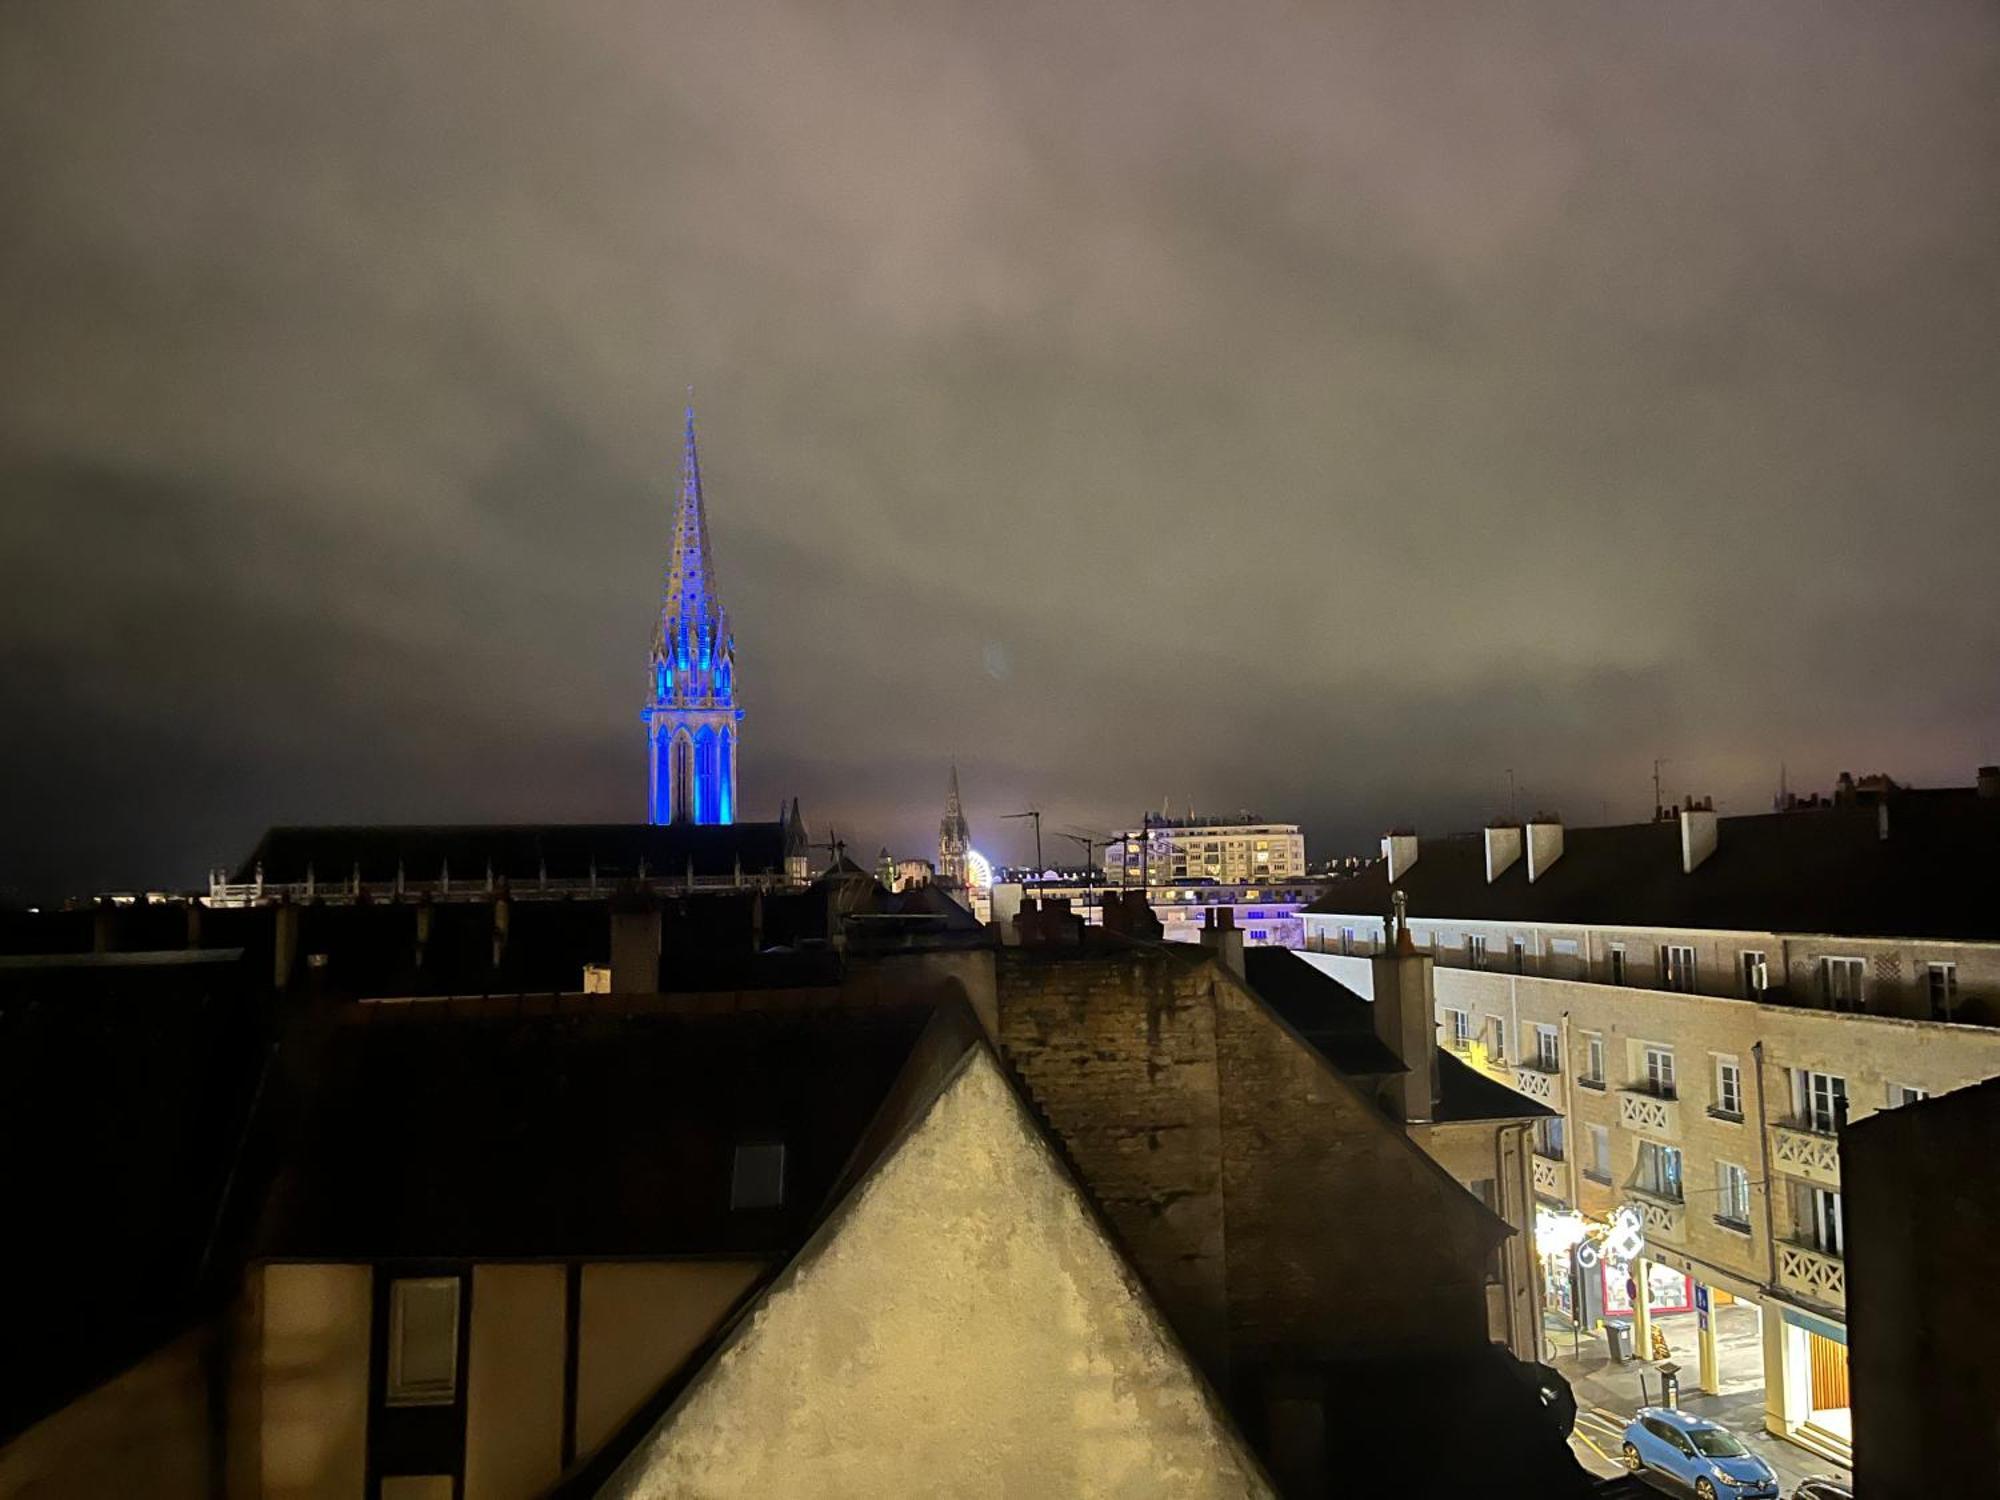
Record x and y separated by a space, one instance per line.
1806 1155
1649 1114
1536 1083
1813 1274
1551 1180
1664 1218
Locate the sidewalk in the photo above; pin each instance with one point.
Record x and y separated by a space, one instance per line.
1614 1392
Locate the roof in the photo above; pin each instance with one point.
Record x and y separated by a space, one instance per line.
1465 1094
600 1130
1339 1023
1825 870
519 852
125 1084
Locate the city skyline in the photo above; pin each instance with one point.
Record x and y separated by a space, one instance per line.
1320 415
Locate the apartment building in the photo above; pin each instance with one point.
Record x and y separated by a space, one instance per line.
1707 1002
1229 851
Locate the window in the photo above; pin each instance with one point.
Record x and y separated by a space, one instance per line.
1518 952
1677 967
1820 1221
1840 983
1600 1153
1756 975
1941 980
1617 956
1496 1039
1347 940
1659 1080
1475 951
1548 1049
758 1180
1820 1100
1461 1028
423 1342
1259 935
1732 1195
1728 1088
1659 1170
1593 1053
1549 1138
1905 1093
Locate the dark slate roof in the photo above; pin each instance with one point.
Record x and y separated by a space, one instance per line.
1824 870
126 1082
1339 1023
1465 1094
592 1128
518 852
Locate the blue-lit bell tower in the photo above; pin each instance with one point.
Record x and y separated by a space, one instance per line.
691 714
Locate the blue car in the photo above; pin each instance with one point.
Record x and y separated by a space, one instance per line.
1697 1452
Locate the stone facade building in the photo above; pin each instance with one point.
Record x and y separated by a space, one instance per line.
1707 1002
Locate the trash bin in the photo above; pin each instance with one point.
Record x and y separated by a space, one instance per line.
1618 1334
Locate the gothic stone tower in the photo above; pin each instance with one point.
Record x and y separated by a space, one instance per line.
691 713
954 838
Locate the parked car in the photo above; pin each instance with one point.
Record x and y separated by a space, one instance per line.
1697 1452
1818 1488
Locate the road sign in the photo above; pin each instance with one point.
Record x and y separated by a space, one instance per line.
1701 1306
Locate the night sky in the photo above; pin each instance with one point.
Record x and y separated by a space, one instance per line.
1312 410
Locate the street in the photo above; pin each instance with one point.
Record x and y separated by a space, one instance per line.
1608 1394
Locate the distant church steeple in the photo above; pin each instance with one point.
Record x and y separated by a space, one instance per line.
691 713
954 837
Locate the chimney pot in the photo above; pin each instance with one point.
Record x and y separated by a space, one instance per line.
1545 846
1698 834
1503 848
1400 850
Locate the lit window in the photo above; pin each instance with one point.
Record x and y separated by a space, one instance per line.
423 1342
1659 1170
758 1180
1732 1194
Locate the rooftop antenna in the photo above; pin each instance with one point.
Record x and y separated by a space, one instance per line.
1513 800
1036 814
1658 806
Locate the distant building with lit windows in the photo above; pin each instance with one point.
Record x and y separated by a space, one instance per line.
691 715
1228 851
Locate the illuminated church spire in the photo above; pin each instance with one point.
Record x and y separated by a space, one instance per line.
954 837
691 713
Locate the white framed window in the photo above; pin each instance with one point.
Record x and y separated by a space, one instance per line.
1548 1049
1496 1038
1820 1219
1659 1065
1941 983
423 1342
1659 1170
1550 1138
1593 1054
1518 954
1819 1100
1732 1194
1840 983
1728 1088
1756 974
1905 1093
1475 950
1460 1028
1677 967
757 1178
1616 955
1600 1153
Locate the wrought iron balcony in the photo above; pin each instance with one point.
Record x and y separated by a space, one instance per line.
1806 1155
1812 1274
1649 1114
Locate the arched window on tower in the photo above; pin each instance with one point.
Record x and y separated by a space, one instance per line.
725 780
683 778
704 774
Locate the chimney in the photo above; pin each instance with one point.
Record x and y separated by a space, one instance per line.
1400 849
1698 828
1989 783
1221 937
635 948
1503 848
1545 844
1406 1021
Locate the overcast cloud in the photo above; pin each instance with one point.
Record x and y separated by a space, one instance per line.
1316 410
